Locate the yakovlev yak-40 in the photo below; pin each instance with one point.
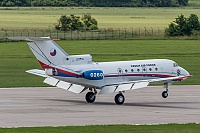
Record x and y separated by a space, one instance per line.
78 73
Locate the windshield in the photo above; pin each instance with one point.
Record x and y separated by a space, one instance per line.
175 64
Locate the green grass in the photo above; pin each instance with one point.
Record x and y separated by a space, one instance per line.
194 3
44 18
16 57
167 128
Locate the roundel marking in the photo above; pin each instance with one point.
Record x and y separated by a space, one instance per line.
52 52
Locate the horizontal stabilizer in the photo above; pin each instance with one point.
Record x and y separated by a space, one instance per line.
23 38
37 72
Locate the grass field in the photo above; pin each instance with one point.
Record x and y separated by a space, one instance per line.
168 128
194 3
16 57
44 18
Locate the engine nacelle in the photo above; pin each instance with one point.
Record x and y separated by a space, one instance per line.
93 75
51 71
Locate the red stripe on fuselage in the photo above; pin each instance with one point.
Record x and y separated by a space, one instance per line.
68 73
44 66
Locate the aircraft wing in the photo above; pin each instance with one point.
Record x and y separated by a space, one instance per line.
56 82
65 85
132 85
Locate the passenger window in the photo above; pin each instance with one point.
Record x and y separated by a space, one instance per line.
138 70
126 70
132 70
150 69
156 69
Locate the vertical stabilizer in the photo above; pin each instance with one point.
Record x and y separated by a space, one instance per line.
47 52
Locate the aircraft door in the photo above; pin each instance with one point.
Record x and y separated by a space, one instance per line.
144 71
120 74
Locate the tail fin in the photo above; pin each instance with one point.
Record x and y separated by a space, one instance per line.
47 52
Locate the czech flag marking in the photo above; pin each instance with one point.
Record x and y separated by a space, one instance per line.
53 52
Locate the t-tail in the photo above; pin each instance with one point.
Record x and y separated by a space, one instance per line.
49 54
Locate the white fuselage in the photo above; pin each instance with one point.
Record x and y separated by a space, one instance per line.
122 71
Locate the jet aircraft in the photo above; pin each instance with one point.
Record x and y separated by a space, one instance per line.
78 73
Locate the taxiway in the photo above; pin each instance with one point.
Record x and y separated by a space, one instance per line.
56 107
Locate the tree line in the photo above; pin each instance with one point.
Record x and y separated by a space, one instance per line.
183 26
95 3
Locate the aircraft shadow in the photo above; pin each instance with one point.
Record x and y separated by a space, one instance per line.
178 105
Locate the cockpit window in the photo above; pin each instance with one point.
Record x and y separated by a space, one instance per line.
175 64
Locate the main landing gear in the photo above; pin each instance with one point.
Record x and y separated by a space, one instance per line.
91 96
165 93
119 99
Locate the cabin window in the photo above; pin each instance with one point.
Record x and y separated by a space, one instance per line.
126 70
150 69
138 70
156 69
132 70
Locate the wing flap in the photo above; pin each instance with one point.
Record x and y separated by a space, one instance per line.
124 87
107 89
64 85
76 88
132 85
51 81
140 85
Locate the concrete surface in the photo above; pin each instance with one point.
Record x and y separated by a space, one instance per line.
56 107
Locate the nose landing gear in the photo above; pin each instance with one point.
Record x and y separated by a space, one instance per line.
165 93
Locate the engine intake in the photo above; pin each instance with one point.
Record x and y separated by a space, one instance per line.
51 72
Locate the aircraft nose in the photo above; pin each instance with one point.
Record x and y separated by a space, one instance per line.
185 72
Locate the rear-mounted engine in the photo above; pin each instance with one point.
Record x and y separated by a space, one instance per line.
51 72
93 75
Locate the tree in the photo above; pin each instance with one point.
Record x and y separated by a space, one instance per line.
89 22
73 22
96 3
183 26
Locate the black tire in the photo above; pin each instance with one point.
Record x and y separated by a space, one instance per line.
164 94
119 99
90 97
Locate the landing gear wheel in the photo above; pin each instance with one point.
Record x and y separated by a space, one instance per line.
119 99
164 94
90 97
